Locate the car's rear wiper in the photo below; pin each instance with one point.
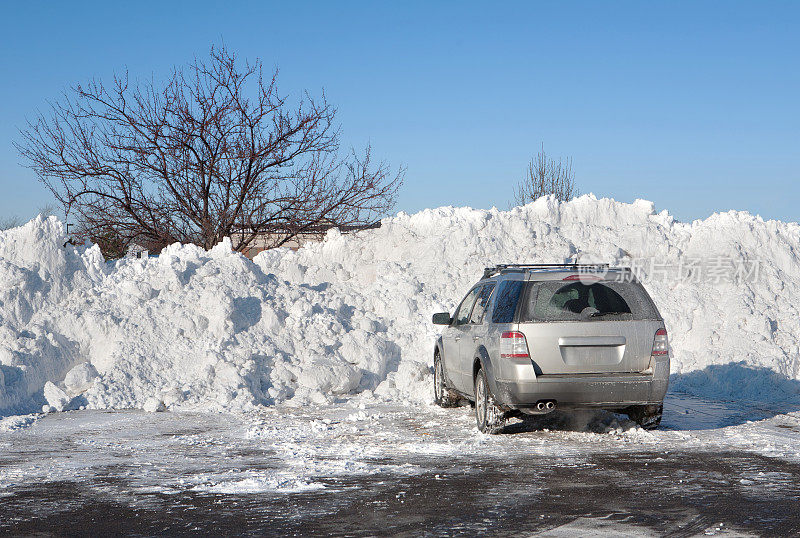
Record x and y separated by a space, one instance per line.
598 314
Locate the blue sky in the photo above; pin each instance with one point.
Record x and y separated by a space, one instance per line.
694 105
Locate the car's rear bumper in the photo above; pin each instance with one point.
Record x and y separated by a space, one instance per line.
587 390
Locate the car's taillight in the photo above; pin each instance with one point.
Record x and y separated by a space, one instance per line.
660 346
583 278
513 345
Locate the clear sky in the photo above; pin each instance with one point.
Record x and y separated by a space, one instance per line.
693 105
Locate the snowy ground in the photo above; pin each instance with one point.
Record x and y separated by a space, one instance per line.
713 468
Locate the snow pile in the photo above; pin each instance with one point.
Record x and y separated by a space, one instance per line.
38 275
352 314
187 328
731 336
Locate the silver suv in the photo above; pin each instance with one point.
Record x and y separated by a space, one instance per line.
534 338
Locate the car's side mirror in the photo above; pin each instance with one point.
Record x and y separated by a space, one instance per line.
442 318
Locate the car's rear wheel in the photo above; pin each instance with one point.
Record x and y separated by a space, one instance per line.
646 416
489 416
442 396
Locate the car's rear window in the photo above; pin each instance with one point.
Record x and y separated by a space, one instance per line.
558 300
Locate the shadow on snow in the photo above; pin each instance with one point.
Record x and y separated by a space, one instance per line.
714 397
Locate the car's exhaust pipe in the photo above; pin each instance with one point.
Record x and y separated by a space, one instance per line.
542 407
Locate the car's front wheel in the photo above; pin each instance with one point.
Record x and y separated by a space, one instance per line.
489 416
442 396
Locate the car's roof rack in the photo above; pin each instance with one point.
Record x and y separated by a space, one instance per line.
490 271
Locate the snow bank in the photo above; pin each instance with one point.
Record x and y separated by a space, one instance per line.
351 314
187 328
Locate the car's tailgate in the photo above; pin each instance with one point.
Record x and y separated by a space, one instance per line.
590 347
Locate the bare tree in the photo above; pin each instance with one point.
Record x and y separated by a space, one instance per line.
47 210
11 221
215 152
546 176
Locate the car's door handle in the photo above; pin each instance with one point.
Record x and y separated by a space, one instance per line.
476 338
457 338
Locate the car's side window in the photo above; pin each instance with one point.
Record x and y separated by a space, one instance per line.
481 304
464 311
508 293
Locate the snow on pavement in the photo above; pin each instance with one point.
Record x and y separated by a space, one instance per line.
359 467
284 449
363 466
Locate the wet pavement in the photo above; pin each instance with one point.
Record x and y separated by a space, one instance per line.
676 494
101 473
